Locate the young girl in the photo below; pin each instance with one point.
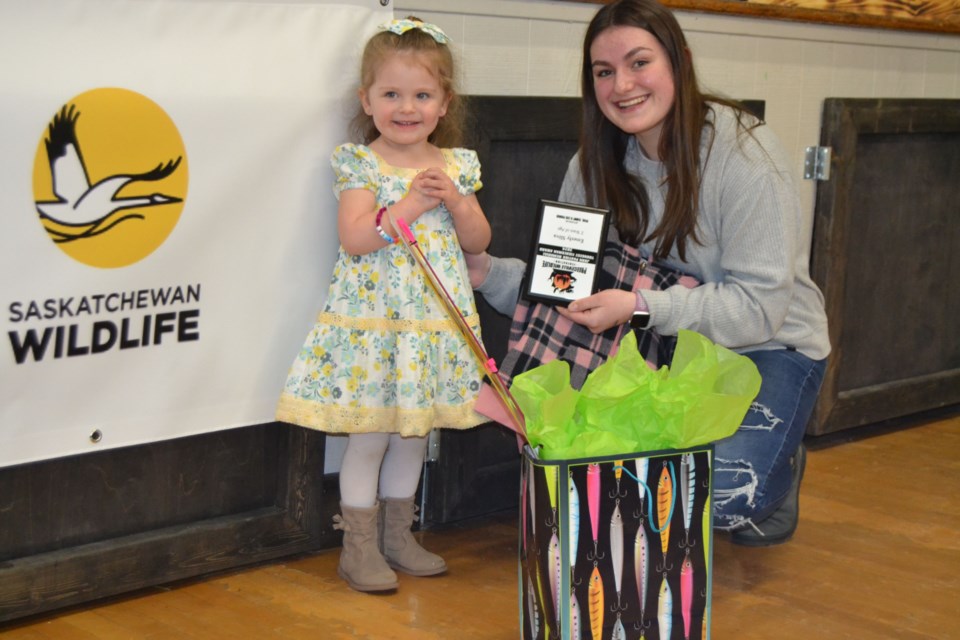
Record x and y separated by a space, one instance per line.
384 362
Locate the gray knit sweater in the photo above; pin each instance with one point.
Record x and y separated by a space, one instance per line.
753 254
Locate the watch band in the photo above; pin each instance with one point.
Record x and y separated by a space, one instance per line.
641 304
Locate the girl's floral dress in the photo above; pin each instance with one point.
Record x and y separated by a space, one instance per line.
384 356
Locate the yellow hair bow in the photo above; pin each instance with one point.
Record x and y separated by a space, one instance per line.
401 26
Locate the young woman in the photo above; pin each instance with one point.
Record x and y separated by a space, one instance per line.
701 186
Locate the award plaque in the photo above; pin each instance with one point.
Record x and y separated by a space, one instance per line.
567 249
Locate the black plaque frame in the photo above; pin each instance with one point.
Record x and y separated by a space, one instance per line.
535 287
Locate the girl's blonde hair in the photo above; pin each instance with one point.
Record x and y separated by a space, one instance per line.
449 131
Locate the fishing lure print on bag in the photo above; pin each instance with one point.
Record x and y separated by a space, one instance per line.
617 548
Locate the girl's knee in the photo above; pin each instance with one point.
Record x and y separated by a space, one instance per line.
368 446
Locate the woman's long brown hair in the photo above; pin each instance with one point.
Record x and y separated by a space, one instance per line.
606 181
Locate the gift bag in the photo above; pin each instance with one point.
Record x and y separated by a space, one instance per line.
616 547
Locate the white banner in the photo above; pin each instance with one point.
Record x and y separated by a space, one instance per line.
168 221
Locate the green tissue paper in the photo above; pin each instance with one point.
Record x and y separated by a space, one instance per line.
626 407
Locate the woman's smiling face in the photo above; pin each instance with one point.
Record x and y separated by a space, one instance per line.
633 81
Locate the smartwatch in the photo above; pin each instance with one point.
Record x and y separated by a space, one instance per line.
640 320
641 314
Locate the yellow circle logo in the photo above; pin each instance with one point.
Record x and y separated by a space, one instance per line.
110 177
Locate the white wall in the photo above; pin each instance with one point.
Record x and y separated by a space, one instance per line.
532 47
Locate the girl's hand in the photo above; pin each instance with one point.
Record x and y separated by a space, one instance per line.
435 183
602 310
473 230
423 194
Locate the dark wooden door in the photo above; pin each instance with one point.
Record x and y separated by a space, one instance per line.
885 253
524 144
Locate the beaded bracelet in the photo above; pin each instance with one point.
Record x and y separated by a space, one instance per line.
383 234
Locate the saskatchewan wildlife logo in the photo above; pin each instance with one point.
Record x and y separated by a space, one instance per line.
110 177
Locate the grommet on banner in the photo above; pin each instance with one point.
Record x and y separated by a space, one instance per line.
384 3
96 436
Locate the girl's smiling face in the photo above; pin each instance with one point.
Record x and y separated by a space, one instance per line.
633 81
405 99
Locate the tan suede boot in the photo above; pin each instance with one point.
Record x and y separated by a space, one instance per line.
361 564
399 548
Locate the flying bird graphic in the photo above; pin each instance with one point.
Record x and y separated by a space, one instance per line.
80 203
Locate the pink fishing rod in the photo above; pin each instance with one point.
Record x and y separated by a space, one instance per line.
489 366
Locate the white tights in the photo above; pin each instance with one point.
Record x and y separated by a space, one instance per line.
380 461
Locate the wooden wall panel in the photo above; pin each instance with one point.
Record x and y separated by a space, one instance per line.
932 10
86 527
886 237
938 16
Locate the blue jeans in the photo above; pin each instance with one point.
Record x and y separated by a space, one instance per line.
751 471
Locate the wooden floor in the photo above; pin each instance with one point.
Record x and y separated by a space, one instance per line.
877 555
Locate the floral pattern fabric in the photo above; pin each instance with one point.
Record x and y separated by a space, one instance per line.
384 356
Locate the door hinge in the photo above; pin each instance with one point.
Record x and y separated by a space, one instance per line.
433 446
816 163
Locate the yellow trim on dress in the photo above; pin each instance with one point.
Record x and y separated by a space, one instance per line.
333 418
403 324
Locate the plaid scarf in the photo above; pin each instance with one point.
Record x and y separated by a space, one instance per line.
539 334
